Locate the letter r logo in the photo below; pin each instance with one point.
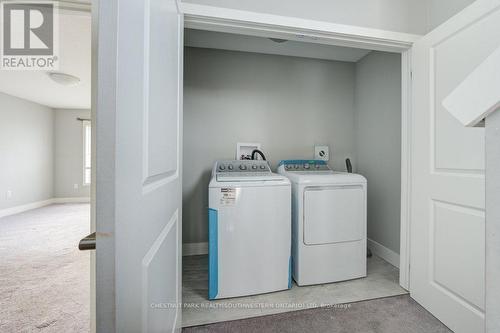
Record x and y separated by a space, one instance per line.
28 29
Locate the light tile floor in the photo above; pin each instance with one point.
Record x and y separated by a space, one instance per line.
382 281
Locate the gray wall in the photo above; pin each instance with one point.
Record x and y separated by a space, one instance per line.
287 104
378 142
41 152
438 11
26 151
68 154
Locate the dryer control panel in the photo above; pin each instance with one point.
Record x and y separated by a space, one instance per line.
304 165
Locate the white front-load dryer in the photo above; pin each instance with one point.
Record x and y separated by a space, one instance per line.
328 222
249 237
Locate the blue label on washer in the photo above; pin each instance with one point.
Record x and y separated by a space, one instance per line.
213 269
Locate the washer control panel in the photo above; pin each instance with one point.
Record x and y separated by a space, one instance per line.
304 165
257 167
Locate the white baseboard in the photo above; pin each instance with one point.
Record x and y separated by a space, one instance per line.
38 204
71 200
194 249
383 252
23 208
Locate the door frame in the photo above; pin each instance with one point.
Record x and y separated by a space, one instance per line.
226 20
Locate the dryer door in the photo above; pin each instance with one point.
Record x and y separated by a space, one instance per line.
334 214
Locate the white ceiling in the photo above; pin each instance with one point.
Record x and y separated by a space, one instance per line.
74 55
233 42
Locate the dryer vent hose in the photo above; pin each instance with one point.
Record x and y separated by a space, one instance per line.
256 151
348 165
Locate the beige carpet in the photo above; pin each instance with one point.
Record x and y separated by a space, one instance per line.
44 278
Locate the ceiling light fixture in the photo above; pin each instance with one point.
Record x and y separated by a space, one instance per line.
64 79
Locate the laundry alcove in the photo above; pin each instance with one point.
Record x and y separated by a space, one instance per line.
290 96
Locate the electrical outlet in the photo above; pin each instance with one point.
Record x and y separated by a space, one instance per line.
322 153
8 194
75 186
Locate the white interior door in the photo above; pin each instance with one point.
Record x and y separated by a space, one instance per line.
138 157
448 189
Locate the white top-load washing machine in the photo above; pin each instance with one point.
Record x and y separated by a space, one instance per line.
328 222
249 220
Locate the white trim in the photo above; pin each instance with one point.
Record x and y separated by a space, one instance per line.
194 249
86 124
383 252
406 153
93 113
38 204
212 18
24 208
478 95
71 200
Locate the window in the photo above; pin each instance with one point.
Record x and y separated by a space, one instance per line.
87 155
